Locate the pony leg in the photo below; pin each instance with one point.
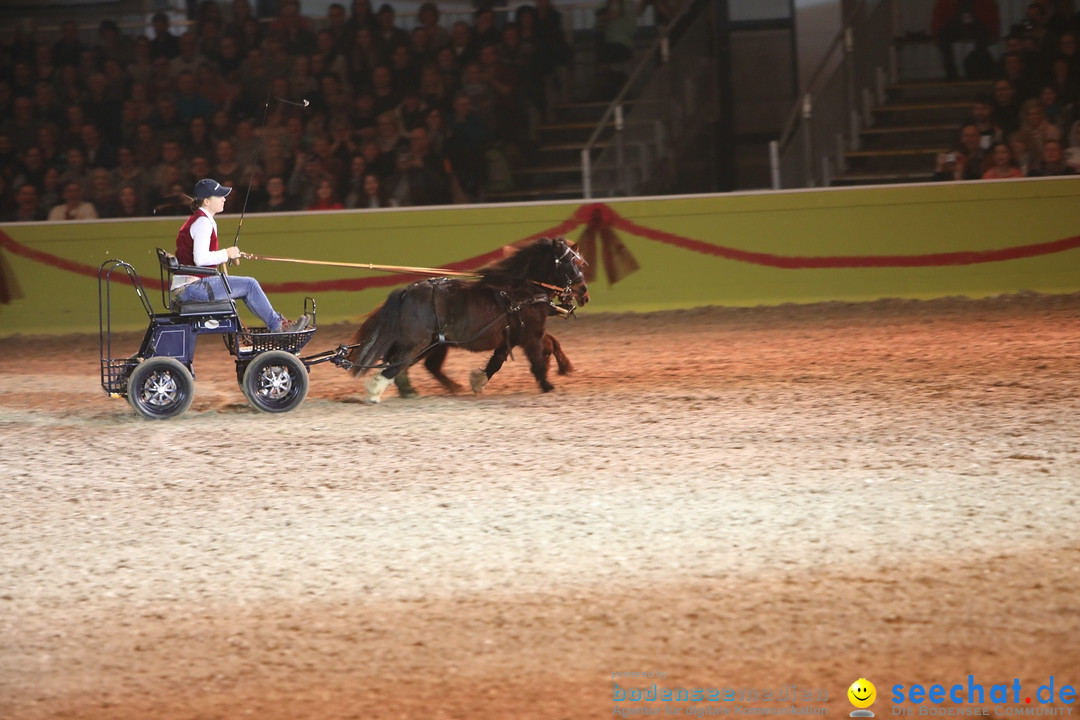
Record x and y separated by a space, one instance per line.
479 378
552 347
404 386
434 362
375 386
538 362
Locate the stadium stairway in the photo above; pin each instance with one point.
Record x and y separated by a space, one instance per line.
918 120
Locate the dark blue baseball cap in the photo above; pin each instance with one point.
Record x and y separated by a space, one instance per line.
210 188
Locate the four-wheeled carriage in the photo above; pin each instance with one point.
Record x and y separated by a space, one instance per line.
159 381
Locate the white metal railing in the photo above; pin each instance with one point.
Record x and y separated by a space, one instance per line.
834 106
663 101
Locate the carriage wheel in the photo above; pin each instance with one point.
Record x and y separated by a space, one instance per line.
275 381
160 388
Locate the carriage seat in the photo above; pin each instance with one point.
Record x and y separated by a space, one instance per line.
171 266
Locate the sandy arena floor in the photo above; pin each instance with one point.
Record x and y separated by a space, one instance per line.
731 497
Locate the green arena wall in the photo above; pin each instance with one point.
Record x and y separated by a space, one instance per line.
741 249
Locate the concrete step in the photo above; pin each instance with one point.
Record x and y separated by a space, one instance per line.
882 178
938 89
555 191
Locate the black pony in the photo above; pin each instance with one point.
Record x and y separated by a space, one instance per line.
506 307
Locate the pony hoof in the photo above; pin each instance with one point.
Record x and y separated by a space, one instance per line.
375 386
477 380
546 386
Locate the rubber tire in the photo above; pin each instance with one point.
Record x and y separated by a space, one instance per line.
275 381
160 388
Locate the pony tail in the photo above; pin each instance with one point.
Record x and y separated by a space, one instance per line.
377 335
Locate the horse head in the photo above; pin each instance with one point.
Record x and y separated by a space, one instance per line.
568 271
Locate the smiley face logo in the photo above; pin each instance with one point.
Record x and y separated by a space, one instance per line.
862 693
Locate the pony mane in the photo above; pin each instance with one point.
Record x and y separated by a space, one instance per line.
531 262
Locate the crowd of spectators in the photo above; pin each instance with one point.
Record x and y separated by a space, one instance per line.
349 112
1028 125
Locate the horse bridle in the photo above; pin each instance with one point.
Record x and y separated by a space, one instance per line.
566 294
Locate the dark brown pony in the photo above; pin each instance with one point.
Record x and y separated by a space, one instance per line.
506 307
433 361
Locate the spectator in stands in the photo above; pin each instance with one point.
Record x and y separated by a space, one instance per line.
209 41
274 160
9 159
953 21
1064 78
468 138
411 112
383 92
240 12
1053 109
26 206
1052 162
168 127
337 26
1006 114
1022 150
198 140
388 35
163 44
1002 166
405 71
99 152
75 169
360 16
305 179
227 170
173 166
113 45
463 45
390 137
146 146
190 102
553 50
982 118
432 90
198 169
326 197
1036 127
428 18
276 198
128 173
51 190
73 207
374 195
421 178
333 60
967 162
141 67
103 194
22 126
1016 70
49 144
69 48
189 58
354 182
292 29
47 109
363 58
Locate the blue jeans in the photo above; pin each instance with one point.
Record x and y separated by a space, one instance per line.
243 288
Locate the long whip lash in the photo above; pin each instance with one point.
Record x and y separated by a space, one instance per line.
434 272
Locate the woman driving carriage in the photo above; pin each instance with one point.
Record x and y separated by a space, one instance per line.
197 244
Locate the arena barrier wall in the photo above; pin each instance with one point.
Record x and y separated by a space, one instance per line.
740 249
